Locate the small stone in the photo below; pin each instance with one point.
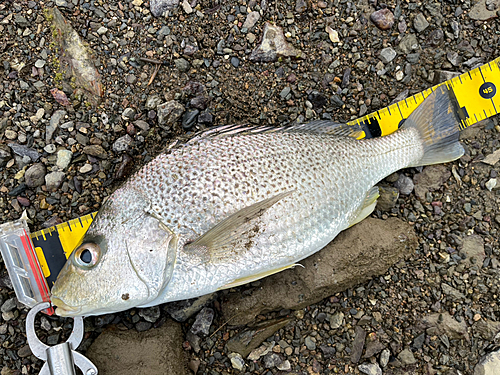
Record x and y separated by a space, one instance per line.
123 143
284 366
95 150
383 19
169 113
408 43
9 305
251 20
55 119
237 361
406 357
404 184
203 322
102 30
187 7
150 314
388 198
125 167
310 344
235 61
370 369
420 23
273 46
10 134
40 63
332 34
35 175
189 118
452 292
152 102
53 180
272 360
86 168
384 357
159 7
300 6
181 64
399 75
24 352
387 55
336 320
63 158
143 326
50 148
205 118
128 114
358 345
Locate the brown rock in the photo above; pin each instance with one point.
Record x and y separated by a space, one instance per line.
154 352
383 19
446 324
431 179
355 256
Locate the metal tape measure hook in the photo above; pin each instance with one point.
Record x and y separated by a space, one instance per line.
61 358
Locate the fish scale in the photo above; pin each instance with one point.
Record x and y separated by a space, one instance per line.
313 166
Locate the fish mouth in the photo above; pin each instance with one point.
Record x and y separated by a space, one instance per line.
62 309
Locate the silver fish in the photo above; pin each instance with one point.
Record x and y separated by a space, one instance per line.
230 208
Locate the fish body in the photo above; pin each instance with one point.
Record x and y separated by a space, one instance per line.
225 210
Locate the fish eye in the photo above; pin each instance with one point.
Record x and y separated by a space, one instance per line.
87 255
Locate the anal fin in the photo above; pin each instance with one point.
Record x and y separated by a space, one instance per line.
367 206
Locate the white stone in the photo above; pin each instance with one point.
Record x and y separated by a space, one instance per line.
488 365
86 168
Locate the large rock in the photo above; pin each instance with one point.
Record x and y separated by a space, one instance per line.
154 352
356 255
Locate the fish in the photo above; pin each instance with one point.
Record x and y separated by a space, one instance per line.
237 204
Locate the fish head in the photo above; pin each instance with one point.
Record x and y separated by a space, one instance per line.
125 260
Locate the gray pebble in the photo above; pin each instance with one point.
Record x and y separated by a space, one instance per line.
251 19
128 114
35 175
54 180
123 143
406 357
169 113
182 64
420 23
55 119
387 55
9 305
404 184
310 344
203 322
150 314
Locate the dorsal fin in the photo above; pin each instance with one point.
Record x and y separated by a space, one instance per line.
317 127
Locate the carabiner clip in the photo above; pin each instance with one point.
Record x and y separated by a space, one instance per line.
61 358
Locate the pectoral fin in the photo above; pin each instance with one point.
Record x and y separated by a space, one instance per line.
221 239
249 279
367 207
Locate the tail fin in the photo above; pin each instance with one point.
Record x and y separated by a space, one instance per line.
438 126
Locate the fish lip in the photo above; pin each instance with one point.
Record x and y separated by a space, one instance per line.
62 309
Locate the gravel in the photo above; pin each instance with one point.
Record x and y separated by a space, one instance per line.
263 63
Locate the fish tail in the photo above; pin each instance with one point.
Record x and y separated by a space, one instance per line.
438 126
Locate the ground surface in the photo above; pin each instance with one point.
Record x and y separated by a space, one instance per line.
329 80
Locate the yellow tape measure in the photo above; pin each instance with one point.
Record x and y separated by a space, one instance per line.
476 95
475 91
55 244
